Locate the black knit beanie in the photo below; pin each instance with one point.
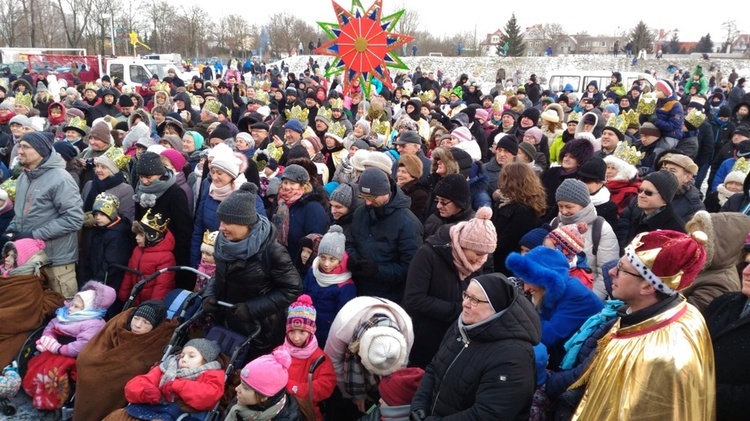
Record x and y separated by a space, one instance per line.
150 164
455 188
152 310
666 184
239 207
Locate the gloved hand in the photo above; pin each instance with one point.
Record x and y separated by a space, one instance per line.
151 395
241 311
24 234
10 236
48 343
417 415
652 118
210 305
88 220
167 391
364 268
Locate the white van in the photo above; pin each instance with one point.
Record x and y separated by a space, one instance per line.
580 79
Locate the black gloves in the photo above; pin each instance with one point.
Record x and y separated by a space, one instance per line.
210 305
362 268
241 311
417 415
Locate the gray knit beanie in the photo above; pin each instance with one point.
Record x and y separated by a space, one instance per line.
343 194
239 207
296 173
573 191
208 349
40 141
333 243
374 182
665 182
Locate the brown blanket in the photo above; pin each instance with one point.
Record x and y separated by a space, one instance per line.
24 305
112 357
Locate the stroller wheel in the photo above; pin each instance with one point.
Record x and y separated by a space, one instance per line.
9 410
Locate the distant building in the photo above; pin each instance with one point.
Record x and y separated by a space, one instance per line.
491 42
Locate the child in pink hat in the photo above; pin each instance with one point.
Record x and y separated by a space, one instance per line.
23 257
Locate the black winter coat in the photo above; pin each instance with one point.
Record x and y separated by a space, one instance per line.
632 222
433 295
730 336
420 196
267 282
687 204
512 222
484 371
109 245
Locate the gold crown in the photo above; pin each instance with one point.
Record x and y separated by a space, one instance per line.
117 156
445 93
108 204
741 164
156 223
297 113
496 106
264 85
23 99
325 113
628 154
574 116
647 104
338 129
91 86
618 122
162 86
9 186
77 123
405 92
695 117
193 99
426 96
381 127
336 103
212 105
262 96
209 238
632 117
4 84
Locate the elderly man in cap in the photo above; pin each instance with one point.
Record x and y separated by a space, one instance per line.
48 207
385 236
410 143
688 200
505 150
656 362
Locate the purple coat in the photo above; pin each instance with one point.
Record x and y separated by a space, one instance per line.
81 331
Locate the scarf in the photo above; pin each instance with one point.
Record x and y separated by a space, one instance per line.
463 266
304 352
574 344
231 251
100 186
247 413
221 193
359 383
281 218
33 265
336 277
207 268
64 316
600 197
171 370
724 194
587 215
4 120
146 196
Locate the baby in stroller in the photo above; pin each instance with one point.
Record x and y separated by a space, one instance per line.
61 342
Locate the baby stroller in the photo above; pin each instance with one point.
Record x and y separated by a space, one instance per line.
183 308
10 383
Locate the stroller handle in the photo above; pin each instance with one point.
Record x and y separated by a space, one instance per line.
146 279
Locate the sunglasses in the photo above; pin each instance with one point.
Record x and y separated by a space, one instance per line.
648 193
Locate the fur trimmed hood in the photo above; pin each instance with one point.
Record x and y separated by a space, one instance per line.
544 267
105 295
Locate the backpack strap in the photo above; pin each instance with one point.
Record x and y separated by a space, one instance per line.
596 234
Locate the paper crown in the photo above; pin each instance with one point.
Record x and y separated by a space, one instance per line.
381 127
91 86
406 92
117 156
445 93
741 164
297 113
209 238
496 106
193 99
695 117
631 116
78 124
9 186
618 122
4 83
426 96
647 104
161 86
156 223
325 113
262 85
628 154
336 103
338 129
212 105
262 96
107 203
574 116
23 99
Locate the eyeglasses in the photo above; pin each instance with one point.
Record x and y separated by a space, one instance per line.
648 193
368 197
473 301
619 269
443 202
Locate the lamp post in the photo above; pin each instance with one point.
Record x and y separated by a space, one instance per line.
111 18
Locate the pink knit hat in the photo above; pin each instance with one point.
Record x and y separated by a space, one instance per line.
25 248
462 134
478 233
268 374
175 157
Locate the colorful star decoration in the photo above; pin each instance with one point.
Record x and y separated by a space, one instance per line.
363 44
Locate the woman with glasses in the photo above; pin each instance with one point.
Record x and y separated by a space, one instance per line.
484 368
438 275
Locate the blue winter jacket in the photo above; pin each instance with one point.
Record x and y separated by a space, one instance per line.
669 117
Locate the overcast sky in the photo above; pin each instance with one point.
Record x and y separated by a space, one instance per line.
448 18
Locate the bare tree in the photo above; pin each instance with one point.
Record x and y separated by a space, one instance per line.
552 34
74 15
9 23
285 32
730 27
235 35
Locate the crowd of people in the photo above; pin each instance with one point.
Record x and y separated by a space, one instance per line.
414 253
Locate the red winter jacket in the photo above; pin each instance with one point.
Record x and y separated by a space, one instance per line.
200 394
324 379
148 260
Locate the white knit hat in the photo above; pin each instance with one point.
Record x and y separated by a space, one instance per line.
87 297
228 163
383 350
